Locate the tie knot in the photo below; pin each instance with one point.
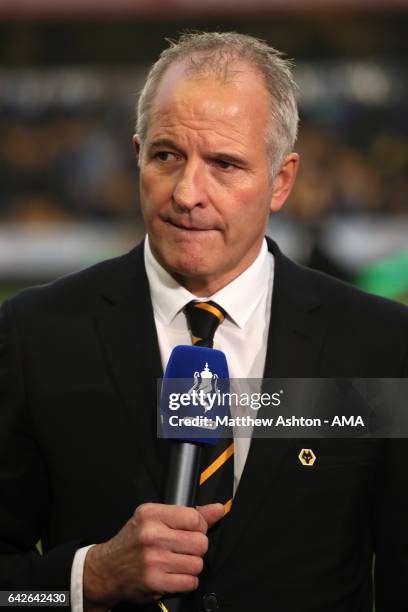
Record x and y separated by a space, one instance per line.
203 319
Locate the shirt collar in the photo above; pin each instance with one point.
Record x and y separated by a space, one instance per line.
169 297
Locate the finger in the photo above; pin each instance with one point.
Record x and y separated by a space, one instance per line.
184 519
211 513
173 563
186 542
179 583
176 517
161 537
161 582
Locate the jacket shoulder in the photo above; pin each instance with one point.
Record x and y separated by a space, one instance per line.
79 290
363 334
342 297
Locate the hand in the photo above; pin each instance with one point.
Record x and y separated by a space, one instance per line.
159 550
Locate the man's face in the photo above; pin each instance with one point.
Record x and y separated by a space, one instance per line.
204 176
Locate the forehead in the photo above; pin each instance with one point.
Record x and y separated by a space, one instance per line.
235 105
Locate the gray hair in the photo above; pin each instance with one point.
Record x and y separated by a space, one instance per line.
212 53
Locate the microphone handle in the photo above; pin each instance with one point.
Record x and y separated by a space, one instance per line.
183 475
181 489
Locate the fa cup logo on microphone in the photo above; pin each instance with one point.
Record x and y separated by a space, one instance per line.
204 388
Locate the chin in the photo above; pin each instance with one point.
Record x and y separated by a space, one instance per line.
182 255
188 268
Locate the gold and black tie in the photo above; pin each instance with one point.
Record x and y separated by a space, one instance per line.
217 475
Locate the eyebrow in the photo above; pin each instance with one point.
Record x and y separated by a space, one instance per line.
164 142
228 157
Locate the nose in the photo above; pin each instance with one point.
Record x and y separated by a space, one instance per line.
190 190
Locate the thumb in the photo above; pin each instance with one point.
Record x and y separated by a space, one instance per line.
211 513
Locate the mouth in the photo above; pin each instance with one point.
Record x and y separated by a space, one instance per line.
189 227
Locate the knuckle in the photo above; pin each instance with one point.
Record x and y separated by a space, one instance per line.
194 520
170 584
202 544
147 535
162 559
181 583
148 558
196 564
150 579
191 583
143 511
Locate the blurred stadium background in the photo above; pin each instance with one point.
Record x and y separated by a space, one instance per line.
69 74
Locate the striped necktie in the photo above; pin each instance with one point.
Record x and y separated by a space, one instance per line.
217 475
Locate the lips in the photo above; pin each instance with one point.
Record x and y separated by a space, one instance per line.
189 227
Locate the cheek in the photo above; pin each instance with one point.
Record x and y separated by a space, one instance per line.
155 193
250 210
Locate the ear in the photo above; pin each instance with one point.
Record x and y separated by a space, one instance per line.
137 147
284 181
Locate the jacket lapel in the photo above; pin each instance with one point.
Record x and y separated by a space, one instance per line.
128 334
295 340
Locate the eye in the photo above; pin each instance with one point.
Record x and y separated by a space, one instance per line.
164 156
224 165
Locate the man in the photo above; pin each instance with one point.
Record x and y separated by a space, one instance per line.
80 461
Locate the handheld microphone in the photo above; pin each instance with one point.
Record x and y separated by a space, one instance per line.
194 380
192 408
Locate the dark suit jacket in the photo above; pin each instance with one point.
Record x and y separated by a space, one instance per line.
79 360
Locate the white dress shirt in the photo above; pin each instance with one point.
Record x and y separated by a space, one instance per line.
242 337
